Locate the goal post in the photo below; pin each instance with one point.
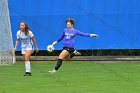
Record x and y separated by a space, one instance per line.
7 55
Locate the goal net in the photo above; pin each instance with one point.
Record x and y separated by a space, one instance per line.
6 43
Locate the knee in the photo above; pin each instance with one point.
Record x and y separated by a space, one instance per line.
61 57
26 58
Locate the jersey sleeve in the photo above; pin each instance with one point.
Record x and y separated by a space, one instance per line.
18 35
83 34
61 37
31 34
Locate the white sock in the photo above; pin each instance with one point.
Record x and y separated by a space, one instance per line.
27 66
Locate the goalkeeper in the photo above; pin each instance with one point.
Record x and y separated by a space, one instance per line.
68 46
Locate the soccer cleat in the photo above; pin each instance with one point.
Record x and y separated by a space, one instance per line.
77 53
27 74
52 71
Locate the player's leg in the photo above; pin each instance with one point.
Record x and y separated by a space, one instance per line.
67 58
72 53
62 55
23 53
27 62
23 56
75 53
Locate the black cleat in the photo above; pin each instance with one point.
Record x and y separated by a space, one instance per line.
27 74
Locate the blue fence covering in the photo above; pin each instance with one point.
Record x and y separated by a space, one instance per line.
115 21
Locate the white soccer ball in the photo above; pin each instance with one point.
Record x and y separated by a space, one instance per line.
50 48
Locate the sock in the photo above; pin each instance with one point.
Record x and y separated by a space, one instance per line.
72 55
27 66
59 63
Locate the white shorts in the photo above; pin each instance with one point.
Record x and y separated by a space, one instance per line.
25 49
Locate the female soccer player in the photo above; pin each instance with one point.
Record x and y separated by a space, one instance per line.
68 46
27 39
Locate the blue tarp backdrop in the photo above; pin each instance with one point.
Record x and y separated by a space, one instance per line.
115 21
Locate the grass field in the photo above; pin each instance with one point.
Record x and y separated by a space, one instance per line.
73 77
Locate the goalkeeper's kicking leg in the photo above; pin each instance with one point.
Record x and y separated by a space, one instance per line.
75 53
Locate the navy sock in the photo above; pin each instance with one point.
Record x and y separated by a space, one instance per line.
59 63
72 55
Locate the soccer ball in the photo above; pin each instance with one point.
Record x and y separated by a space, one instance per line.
50 48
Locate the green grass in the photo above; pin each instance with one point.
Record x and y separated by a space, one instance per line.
73 77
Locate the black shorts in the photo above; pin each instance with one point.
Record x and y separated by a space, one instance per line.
70 50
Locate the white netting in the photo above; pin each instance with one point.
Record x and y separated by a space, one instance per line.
6 42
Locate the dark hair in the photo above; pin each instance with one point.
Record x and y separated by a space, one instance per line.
26 28
71 21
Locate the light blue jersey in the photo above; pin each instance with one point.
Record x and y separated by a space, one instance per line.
26 39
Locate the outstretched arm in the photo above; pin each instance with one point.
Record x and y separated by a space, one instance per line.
59 39
86 34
